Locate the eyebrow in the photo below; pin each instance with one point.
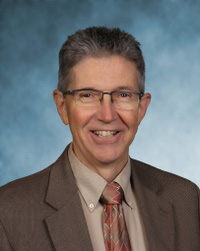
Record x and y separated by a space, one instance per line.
124 87
121 87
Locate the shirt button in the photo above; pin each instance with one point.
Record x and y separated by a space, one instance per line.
91 205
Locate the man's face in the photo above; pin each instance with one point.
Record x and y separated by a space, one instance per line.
91 144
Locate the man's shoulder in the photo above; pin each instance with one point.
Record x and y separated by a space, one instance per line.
33 183
33 188
170 181
27 188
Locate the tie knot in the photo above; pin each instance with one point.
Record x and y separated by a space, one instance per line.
112 194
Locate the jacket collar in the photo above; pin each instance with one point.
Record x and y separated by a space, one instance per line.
157 213
67 226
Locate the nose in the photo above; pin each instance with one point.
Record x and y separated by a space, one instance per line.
106 111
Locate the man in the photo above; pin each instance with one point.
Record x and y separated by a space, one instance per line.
101 96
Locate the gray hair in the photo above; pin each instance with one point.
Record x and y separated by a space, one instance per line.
99 42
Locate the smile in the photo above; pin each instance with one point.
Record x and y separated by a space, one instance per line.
105 134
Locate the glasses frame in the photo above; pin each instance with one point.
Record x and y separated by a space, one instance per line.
101 99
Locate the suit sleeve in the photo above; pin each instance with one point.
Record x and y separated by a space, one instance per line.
4 243
198 192
199 202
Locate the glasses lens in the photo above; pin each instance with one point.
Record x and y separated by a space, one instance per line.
125 100
90 97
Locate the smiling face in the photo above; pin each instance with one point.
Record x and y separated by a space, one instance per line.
102 135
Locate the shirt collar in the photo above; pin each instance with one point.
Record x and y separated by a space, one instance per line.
91 184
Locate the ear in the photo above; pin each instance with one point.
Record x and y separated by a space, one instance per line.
143 105
61 106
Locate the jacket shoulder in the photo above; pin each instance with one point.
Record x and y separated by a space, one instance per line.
167 181
30 188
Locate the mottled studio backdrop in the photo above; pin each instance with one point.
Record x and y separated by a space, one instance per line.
32 135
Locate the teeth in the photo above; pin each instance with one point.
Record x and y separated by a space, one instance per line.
105 134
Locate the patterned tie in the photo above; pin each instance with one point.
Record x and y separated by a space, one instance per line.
114 226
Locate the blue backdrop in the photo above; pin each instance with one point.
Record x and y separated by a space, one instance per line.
32 135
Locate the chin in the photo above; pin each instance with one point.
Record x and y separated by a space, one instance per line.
108 157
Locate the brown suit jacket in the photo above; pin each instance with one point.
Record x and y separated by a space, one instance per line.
43 211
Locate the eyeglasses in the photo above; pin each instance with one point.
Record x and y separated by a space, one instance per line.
121 99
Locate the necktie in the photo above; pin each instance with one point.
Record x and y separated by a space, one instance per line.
114 226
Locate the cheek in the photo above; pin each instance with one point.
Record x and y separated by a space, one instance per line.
79 117
130 118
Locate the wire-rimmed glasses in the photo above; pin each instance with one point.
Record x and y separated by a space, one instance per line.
121 99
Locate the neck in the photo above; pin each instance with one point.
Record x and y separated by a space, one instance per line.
108 171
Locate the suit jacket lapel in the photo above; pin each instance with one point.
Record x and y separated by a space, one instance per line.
67 226
157 213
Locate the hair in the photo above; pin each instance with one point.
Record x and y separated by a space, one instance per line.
99 42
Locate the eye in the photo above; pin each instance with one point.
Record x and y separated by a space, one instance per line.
125 95
86 95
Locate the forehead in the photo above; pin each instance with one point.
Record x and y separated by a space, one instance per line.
104 73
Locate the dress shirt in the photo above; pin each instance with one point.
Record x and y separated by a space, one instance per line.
91 186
